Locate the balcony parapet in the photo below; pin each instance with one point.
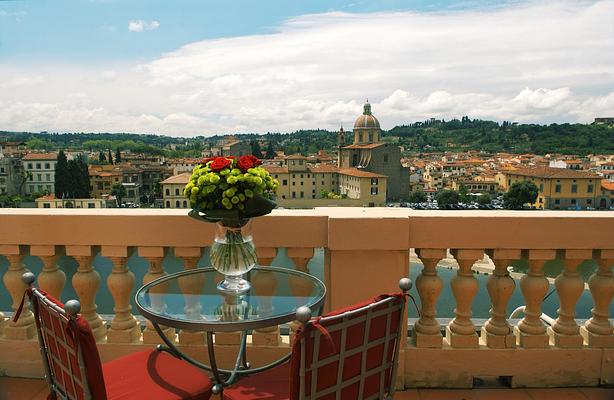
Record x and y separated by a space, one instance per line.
365 252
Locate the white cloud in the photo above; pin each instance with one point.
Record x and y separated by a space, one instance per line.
536 62
139 25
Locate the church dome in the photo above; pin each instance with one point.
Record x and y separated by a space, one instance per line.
366 120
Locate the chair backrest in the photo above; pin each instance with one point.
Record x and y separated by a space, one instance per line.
70 357
349 354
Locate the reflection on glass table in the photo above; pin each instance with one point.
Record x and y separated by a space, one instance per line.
190 300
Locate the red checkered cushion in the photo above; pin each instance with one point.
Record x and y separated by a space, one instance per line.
323 362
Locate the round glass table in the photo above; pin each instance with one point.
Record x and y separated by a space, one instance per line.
190 300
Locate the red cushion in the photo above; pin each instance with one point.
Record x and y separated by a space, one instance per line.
268 385
152 374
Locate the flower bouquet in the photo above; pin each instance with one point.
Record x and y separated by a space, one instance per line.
230 191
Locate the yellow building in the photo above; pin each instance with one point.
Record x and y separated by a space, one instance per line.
302 185
607 195
172 191
102 180
559 188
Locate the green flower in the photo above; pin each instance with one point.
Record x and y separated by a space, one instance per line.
226 202
195 190
235 199
249 193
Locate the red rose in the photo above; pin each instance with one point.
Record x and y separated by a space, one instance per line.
219 163
247 162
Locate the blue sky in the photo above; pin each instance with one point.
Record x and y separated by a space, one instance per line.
92 31
209 67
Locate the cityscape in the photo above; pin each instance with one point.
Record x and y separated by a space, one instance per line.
361 167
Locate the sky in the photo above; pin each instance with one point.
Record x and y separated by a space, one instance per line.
188 68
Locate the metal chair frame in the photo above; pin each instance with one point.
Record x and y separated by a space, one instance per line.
67 316
347 321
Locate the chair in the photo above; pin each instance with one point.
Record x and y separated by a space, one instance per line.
349 354
74 371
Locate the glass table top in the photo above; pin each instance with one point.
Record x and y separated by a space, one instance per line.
191 300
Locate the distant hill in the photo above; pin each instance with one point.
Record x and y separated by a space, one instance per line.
428 136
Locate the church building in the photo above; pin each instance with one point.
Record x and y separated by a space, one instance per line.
369 154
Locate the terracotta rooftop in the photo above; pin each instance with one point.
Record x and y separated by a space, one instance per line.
275 169
40 156
296 157
323 168
360 173
181 178
607 185
548 172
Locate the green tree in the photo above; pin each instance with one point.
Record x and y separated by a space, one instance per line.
38 144
484 199
119 191
62 179
110 157
447 198
519 194
417 196
101 157
118 156
270 151
463 193
84 178
256 151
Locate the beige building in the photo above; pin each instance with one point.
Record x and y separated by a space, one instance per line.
229 147
476 186
172 191
51 201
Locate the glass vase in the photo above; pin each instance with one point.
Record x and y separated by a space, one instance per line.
233 254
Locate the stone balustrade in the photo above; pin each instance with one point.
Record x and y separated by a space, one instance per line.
366 251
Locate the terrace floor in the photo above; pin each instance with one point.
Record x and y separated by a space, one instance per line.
35 389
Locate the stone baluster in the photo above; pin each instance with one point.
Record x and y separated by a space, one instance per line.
86 282
301 257
191 286
51 279
460 332
24 328
531 332
264 285
427 331
124 327
497 332
569 285
155 256
598 331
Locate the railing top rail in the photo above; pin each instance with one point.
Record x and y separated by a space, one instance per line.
351 228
